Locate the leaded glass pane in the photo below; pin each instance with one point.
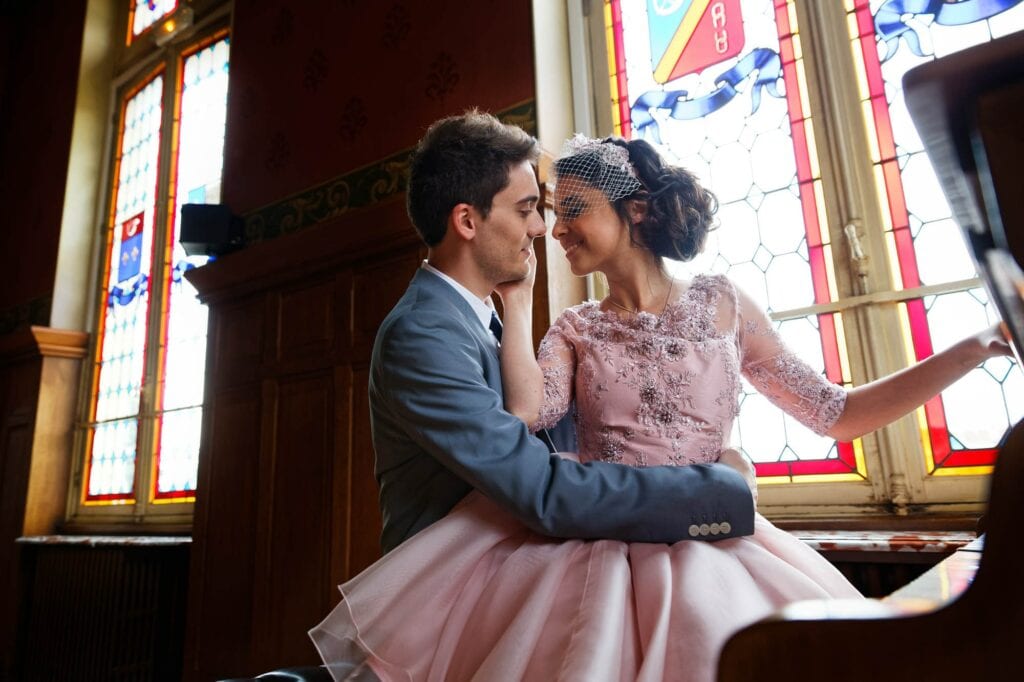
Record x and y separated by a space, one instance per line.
179 452
200 157
926 247
777 437
719 88
122 333
977 410
112 466
148 12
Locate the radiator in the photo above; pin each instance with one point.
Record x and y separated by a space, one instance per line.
101 609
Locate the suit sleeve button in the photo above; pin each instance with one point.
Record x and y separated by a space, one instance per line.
694 531
715 529
705 529
725 527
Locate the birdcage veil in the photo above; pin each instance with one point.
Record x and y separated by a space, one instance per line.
589 163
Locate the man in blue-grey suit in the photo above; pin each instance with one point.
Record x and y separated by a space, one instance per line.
439 428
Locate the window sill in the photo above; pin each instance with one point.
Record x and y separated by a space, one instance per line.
876 542
107 540
916 523
109 524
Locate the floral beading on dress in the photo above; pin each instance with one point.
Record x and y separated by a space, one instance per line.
664 389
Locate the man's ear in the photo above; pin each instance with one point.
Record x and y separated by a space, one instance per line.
462 221
636 209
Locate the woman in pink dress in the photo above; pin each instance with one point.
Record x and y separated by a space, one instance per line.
654 372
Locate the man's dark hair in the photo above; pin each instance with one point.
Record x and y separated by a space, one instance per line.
462 159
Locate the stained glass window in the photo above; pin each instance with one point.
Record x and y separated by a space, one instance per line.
123 320
146 405
961 428
145 13
720 88
199 160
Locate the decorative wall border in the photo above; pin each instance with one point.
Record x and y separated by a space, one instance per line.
360 188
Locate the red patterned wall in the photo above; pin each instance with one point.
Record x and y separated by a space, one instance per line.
320 88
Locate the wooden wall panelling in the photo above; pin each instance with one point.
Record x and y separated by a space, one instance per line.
236 343
39 371
296 503
306 329
365 524
20 369
377 286
15 454
341 508
15 451
341 518
261 552
287 506
223 570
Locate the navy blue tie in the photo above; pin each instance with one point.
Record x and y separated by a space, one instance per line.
495 326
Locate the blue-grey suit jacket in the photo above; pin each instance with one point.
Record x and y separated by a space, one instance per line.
440 430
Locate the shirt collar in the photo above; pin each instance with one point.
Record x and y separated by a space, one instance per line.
482 307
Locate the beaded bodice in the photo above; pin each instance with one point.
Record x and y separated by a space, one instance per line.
663 389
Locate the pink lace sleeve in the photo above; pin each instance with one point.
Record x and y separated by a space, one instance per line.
557 360
782 377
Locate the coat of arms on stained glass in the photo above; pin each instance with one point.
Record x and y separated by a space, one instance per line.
130 257
691 36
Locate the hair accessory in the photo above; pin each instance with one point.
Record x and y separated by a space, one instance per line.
612 154
586 162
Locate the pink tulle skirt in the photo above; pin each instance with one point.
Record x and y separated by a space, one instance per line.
477 596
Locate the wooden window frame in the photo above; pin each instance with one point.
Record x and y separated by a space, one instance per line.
133 64
898 485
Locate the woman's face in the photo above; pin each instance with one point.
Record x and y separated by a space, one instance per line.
587 226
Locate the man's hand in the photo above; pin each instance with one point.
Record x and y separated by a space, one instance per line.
744 466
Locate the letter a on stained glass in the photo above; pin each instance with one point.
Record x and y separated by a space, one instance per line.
130 257
690 35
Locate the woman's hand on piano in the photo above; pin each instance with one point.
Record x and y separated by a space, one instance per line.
995 341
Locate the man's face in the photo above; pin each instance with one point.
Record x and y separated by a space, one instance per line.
505 237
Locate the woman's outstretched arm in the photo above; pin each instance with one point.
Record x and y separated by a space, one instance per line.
844 415
875 404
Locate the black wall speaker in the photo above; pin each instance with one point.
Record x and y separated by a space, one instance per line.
210 230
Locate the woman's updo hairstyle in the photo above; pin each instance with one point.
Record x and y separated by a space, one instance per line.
680 212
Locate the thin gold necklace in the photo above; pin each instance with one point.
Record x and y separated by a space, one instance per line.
631 311
636 311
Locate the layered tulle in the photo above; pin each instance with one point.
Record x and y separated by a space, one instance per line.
478 597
